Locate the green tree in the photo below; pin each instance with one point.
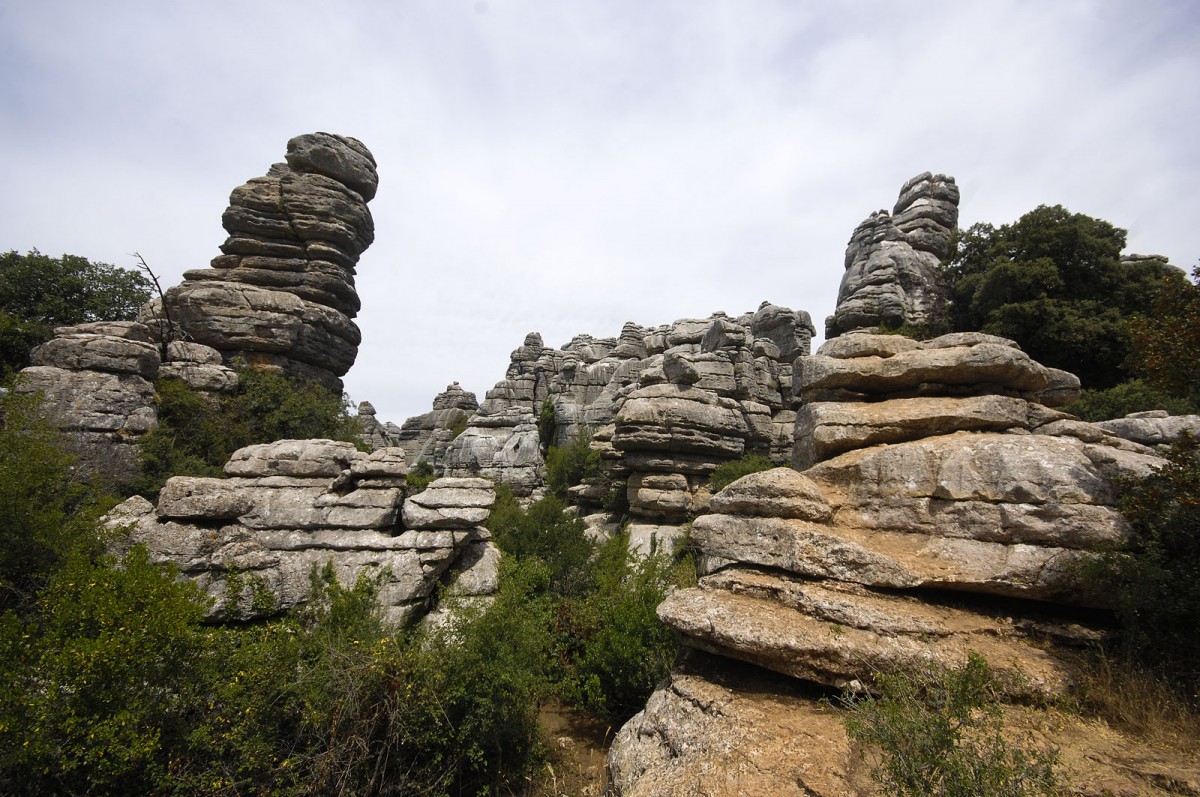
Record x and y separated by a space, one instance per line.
1166 339
46 512
1054 282
39 292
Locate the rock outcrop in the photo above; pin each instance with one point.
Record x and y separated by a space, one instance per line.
892 260
253 539
282 292
666 405
942 509
425 438
95 380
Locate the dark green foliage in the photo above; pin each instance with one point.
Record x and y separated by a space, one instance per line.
96 693
547 533
419 477
941 735
728 472
196 434
1053 282
547 424
39 292
459 425
1156 584
569 464
622 650
1166 340
1132 396
46 512
119 690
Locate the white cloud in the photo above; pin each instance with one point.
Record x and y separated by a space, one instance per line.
567 167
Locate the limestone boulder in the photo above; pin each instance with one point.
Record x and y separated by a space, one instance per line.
1154 428
780 492
450 503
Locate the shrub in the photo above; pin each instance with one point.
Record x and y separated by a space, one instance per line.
1155 584
547 424
622 650
196 433
569 464
458 425
1132 396
547 533
941 735
46 511
728 472
419 477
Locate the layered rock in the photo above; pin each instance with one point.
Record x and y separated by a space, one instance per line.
1153 428
95 380
425 438
665 405
942 509
253 539
282 291
892 260
375 433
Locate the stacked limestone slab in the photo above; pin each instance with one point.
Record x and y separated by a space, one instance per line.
95 380
892 260
253 539
425 438
943 509
666 405
282 291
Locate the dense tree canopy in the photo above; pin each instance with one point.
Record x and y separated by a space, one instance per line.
39 292
1054 282
1166 341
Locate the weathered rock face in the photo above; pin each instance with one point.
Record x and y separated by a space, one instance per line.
425 438
251 540
1154 428
891 261
666 405
942 510
375 433
95 381
282 291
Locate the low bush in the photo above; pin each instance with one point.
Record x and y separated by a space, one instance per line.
1132 396
197 433
728 472
545 532
941 735
621 649
569 464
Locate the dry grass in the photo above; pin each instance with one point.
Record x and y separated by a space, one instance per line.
1136 700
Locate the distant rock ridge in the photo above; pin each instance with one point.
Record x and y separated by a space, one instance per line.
282 293
666 405
892 260
426 437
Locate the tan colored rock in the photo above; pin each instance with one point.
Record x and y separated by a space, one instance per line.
824 429
838 634
993 367
779 492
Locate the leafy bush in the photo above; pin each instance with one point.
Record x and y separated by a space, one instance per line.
547 424
1132 396
568 465
622 650
547 533
46 512
941 735
196 433
1156 583
458 425
1166 340
728 472
97 693
39 292
419 477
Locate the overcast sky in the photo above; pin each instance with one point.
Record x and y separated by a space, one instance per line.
564 166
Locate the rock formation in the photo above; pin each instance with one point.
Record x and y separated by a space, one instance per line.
375 433
892 260
96 383
425 438
666 405
253 539
282 291
942 509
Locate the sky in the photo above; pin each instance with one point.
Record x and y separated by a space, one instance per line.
565 166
